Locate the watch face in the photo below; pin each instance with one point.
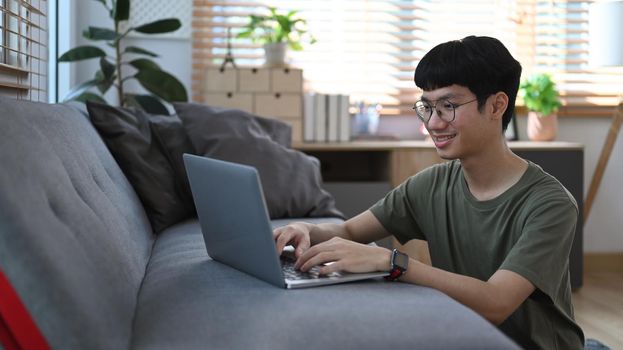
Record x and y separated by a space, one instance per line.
401 260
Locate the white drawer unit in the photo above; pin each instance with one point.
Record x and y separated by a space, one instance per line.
221 80
279 105
243 101
286 80
253 80
267 92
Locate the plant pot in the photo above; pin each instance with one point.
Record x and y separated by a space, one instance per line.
542 128
275 54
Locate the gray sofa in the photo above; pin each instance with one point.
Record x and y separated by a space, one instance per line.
76 246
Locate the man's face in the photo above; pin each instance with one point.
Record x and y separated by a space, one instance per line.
470 131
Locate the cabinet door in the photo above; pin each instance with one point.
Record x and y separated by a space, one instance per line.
254 80
286 80
230 100
279 105
221 81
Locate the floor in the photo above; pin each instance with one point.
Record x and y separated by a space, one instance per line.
599 307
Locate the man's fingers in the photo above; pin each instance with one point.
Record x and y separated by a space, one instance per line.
317 259
334 267
282 240
302 244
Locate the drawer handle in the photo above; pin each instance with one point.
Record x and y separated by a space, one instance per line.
230 95
286 70
277 95
254 70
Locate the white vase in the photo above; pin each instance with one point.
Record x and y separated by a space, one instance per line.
542 128
275 54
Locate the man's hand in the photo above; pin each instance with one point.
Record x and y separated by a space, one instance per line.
296 234
345 256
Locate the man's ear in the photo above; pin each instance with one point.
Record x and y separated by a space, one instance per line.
499 104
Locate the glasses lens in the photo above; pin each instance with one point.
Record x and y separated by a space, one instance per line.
445 110
423 110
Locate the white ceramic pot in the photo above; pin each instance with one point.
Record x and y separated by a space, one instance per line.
542 128
275 54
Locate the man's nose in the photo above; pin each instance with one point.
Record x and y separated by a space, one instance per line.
435 121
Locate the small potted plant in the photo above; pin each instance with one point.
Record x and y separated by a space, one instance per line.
541 99
276 32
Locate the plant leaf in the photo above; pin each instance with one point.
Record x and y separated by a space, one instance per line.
134 49
89 96
144 63
82 53
103 84
148 103
95 33
108 69
162 84
160 26
78 90
122 10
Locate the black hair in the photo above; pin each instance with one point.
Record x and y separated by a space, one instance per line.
482 64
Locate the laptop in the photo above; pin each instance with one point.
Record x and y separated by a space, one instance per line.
236 227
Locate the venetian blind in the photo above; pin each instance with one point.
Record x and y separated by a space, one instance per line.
370 48
23 50
561 48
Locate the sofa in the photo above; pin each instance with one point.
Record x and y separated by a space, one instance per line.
81 267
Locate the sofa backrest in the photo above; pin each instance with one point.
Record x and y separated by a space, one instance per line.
74 238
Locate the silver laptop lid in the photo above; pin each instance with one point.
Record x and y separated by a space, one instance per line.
233 217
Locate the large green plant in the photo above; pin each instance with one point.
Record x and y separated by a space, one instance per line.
161 85
540 95
277 28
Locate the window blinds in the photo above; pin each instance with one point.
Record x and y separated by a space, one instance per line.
370 48
23 49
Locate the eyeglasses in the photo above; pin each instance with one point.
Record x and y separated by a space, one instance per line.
445 112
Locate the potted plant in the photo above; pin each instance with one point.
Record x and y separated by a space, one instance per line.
276 32
162 85
541 99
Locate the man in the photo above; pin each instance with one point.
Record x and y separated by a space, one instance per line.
499 228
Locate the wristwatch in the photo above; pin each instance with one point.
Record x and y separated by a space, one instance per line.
398 262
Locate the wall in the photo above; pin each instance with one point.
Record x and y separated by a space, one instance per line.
602 231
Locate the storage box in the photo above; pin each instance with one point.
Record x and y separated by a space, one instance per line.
267 92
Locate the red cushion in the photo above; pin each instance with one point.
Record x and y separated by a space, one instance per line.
17 329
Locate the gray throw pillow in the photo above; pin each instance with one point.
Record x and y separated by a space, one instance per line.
149 150
291 180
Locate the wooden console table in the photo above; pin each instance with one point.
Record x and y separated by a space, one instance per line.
394 161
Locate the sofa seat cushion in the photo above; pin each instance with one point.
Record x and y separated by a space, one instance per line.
189 301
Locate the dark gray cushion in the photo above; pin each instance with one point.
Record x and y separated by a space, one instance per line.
291 180
149 149
74 239
189 301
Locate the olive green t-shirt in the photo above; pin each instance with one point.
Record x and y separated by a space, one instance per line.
528 229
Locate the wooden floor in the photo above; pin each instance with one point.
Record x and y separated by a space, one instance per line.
599 307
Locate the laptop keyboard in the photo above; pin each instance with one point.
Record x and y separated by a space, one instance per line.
291 273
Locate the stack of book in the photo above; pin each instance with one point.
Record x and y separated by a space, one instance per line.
326 118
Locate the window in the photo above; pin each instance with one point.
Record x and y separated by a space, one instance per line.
370 48
561 47
23 51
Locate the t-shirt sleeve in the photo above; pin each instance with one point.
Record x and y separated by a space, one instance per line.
541 254
397 212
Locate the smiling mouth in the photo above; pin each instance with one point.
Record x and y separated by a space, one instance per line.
444 138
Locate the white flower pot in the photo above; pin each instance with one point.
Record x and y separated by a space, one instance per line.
275 54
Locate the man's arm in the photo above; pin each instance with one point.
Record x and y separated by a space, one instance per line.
495 299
